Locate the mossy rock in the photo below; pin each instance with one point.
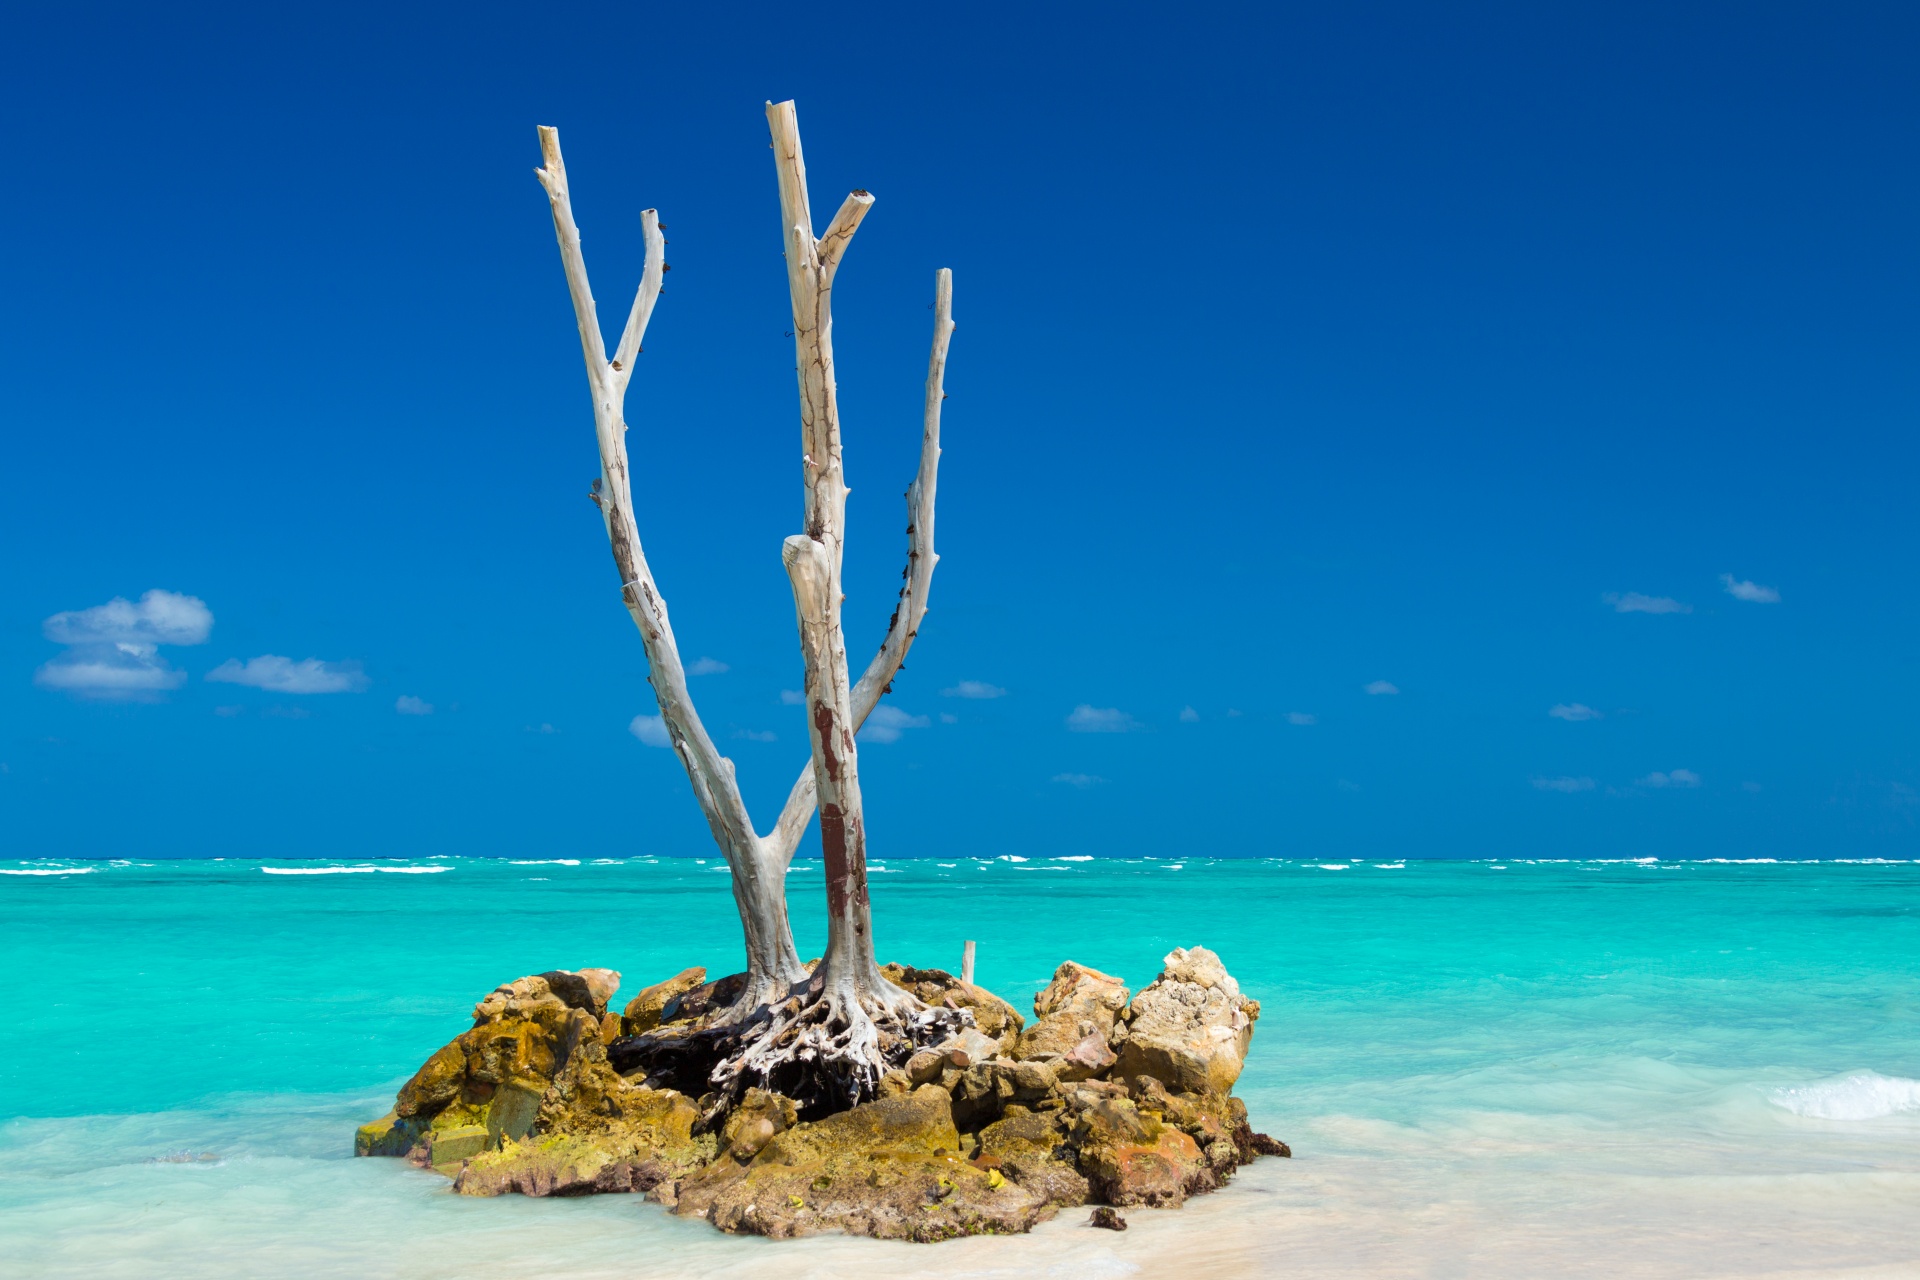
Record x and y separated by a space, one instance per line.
391 1135
890 1169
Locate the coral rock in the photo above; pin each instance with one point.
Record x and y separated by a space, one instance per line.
1190 1027
1078 1003
1134 1158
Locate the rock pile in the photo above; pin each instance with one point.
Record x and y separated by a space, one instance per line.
1109 1098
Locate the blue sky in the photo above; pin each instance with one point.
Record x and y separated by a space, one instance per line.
1302 351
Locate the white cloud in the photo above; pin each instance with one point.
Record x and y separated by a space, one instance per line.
974 689
1302 717
1634 602
283 675
1086 719
126 671
707 667
161 617
1752 592
1573 712
757 735
947 717
887 723
651 730
1080 780
1676 778
1568 785
113 648
1382 686
231 710
792 698
1189 716
408 705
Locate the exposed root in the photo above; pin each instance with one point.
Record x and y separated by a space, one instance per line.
828 1043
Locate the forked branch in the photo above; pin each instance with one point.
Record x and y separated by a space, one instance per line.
918 577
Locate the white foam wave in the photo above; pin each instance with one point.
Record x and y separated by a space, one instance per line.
50 871
1866 1095
1389 866
1331 866
545 862
1074 857
352 871
1011 857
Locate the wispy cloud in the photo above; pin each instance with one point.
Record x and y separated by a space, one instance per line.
757 735
974 689
1752 592
887 723
1080 780
1189 716
408 705
1382 686
1573 712
113 648
1302 717
1563 784
1088 719
1673 778
651 730
283 675
792 698
1634 602
707 667
947 717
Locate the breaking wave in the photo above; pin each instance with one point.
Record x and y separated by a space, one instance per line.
1866 1095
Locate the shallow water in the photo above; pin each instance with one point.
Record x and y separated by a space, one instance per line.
1631 1068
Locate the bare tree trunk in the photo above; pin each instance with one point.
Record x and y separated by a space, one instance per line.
838 1036
758 869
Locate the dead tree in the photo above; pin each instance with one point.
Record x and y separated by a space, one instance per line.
839 1048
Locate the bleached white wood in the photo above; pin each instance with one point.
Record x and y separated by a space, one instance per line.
917 581
834 1020
758 870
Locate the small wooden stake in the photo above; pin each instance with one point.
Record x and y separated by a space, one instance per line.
966 963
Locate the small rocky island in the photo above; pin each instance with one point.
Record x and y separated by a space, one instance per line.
1108 1098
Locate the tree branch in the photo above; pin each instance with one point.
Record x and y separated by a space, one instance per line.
649 292
833 241
710 772
914 592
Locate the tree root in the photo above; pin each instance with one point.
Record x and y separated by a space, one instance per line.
828 1043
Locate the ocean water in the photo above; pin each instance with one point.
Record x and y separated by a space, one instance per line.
1486 1069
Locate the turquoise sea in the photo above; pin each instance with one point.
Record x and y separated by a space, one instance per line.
1486 1069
